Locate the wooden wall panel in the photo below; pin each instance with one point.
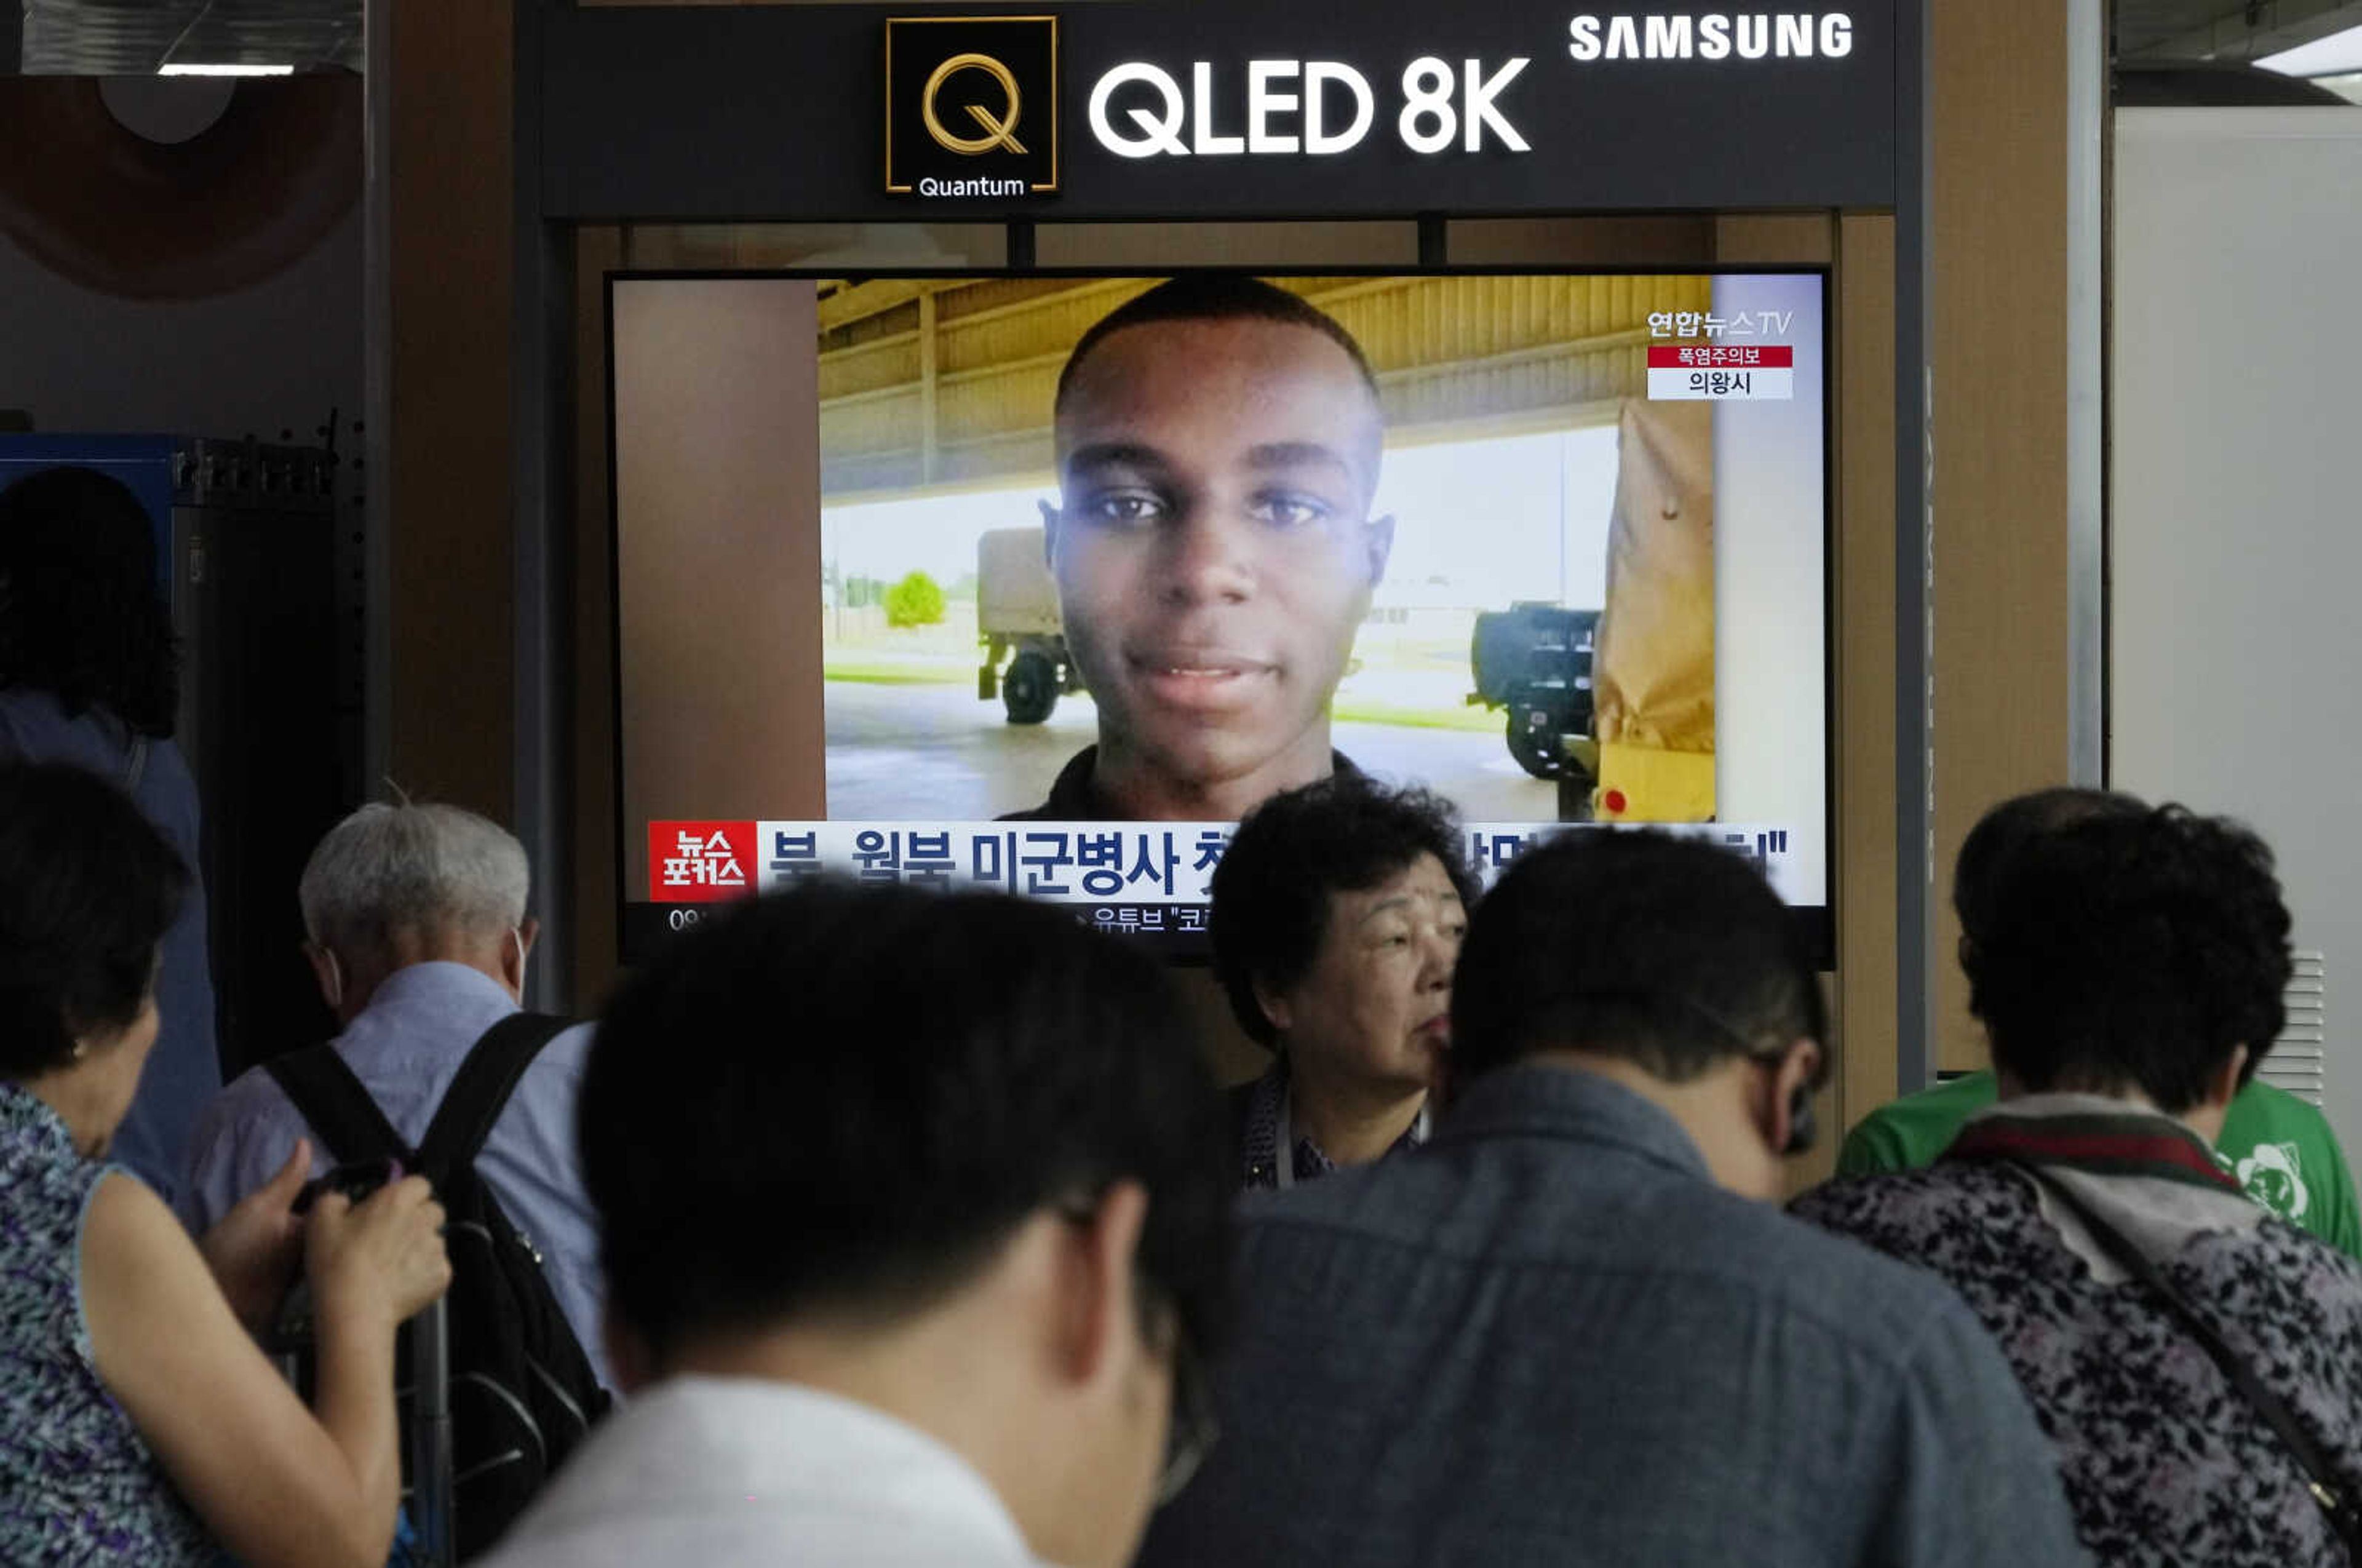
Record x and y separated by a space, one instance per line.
452 196
1998 347
1863 677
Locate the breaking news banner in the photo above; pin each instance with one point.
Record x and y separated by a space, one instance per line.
1161 872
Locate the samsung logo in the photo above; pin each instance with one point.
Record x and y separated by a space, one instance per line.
1760 35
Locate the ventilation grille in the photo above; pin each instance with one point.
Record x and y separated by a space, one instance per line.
2299 1062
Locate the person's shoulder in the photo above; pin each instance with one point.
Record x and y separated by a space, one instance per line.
1918 1215
1714 1242
1073 798
567 1048
126 1226
1856 1290
1914 1130
2283 1252
554 1074
2263 1110
1885 1203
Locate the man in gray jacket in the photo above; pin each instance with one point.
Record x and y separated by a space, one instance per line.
1574 1328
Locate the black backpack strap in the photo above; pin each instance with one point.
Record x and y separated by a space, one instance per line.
331 1098
476 1098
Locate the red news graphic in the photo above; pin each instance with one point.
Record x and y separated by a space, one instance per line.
692 863
1718 357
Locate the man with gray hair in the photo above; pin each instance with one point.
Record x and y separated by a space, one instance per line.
418 935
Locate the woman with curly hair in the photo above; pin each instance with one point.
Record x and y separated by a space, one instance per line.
2195 1360
90 675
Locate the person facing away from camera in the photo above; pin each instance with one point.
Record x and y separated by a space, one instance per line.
2195 1360
1573 1329
913 1264
2281 1148
140 1424
1338 910
418 939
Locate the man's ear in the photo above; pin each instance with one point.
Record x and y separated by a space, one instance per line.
1099 1309
326 974
1274 1006
513 953
1791 1090
1378 541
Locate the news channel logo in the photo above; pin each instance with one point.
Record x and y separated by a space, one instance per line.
972 105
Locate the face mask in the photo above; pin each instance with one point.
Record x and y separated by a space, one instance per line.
517 933
335 981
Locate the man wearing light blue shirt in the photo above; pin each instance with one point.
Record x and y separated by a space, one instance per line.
418 938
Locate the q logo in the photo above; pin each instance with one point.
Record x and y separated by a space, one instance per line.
972 106
997 132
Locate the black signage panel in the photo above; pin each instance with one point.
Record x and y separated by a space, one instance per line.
960 90
1214 108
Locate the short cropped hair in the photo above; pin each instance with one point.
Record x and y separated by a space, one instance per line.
80 615
2133 951
1273 886
88 887
2011 826
837 1103
1672 953
416 868
1214 297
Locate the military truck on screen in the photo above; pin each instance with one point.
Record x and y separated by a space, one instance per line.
1017 619
1534 660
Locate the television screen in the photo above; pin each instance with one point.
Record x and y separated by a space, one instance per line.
1039 583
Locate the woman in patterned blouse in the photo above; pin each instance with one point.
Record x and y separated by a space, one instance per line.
2128 970
138 1422
1338 910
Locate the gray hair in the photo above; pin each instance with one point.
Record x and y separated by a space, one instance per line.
386 870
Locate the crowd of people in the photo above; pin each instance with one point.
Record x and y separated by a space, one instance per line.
907 1227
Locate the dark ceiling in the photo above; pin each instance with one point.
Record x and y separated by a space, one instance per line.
98 38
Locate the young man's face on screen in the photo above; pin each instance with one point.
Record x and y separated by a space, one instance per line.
1213 546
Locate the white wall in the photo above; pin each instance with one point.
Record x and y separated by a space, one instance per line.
2236 658
272 357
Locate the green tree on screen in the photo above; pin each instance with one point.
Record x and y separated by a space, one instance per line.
916 601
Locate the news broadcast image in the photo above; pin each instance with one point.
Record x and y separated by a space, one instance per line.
1558 557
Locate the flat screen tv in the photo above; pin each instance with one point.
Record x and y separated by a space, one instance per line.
1038 582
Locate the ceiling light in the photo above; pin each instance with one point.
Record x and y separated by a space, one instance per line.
2332 55
224 70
